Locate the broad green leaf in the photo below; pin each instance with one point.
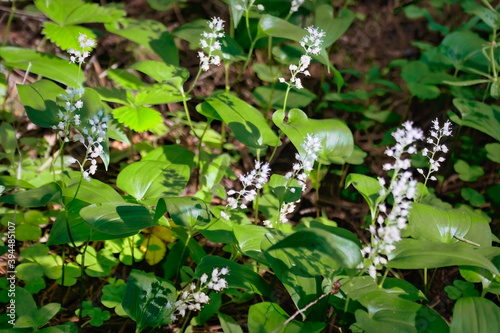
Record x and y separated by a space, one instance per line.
10 182
369 188
174 154
268 96
138 118
337 142
214 171
466 172
345 252
8 138
417 254
143 294
98 264
151 34
270 317
184 211
28 232
239 276
228 324
475 198
286 190
249 237
44 64
267 73
36 197
334 27
126 80
163 73
147 181
117 219
26 309
463 48
475 315
390 314
480 116
433 224
247 123
493 151
39 101
491 18
93 192
276 27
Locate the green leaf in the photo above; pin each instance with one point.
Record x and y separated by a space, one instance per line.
369 188
66 37
8 138
475 198
228 324
417 254
92 192
247 124
138 118
249 237
274 97
151 34
44 64
174 154
480 116
28 232
214 171
334 27
158 94
337 142
448 226
467 172
276 27
344 251
98 264
68 12
475 315
461 289
239 276
162 4
389 313
143 294
163 73
270 317
36 197
267 73
493 151
463 48
39 101
282 188
147 181
118 220
184 211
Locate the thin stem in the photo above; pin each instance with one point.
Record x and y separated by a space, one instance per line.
247 61
318 183
383 279
9 21
194 82
184 103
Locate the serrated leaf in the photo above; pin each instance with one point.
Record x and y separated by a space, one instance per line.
66 37
138 118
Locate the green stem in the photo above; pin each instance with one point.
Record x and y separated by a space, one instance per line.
383 278
318 183
194 83
9 21
247 61
186 110
82 270
183 251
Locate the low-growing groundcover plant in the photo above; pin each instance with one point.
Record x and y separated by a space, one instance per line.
182 186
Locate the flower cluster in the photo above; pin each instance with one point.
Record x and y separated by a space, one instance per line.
305 163
312 45
255 178
86 45
436 134
69 115
92 137
194 297
387 226
312 42
296 5
209 43
246 5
